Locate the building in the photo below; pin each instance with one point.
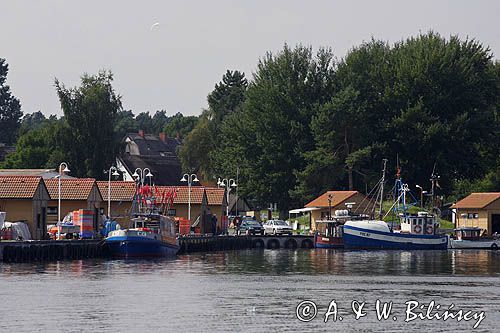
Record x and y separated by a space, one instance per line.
25 199
44 173
122 196
157 153
319 208
480 210
76 193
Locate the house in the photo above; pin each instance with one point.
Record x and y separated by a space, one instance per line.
122 195
76 193
25 198
480 210
319 208
157 153
44 173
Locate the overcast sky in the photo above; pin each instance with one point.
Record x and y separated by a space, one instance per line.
175 64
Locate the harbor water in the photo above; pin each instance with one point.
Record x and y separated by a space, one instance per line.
253 291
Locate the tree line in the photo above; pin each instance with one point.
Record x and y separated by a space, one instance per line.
305 122
308 122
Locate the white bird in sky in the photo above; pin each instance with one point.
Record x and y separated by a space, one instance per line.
154 25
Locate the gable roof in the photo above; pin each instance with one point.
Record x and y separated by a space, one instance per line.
19 187
166 170
183 194
120 190
215 195
44 173
150 144
71 188
477 200
338 198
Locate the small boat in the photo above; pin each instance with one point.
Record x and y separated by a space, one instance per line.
418 232
330 231
152 235
470 238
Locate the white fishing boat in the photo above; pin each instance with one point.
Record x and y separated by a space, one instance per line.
471 238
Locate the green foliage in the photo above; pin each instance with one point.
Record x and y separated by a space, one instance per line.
90 111
10 108
179 125
125 123
31 121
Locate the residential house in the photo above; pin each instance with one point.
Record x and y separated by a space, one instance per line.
25 199
157 153
480 210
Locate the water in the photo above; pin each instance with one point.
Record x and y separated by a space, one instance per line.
251 291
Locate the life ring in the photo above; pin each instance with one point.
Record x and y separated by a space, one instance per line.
494 246
429 230
417 229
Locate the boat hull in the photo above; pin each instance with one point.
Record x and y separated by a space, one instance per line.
361 238
321 242
139 247
475 244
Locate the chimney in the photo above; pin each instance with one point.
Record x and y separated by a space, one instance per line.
141 133
163 137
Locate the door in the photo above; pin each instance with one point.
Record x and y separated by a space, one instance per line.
495 224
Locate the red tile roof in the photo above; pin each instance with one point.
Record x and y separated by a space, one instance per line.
120 190
183 194
71 189
477 200
215 195
19 187
338 198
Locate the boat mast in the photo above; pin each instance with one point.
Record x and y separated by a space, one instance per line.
382 189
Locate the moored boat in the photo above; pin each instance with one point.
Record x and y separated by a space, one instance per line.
470 238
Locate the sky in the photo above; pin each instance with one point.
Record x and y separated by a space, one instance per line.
173 65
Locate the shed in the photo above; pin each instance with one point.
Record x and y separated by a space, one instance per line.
480 210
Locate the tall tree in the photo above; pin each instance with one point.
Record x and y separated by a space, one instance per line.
10 108
90 111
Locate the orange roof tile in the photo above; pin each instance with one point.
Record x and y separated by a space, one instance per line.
338 198
120 190
215 195
71 188
19 187
183 194
477 200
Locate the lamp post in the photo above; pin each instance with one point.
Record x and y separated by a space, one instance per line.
139 177
229 183
115 173
330 198
422 192
189 178
61 170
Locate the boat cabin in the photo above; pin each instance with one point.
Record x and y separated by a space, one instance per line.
471 233
421 224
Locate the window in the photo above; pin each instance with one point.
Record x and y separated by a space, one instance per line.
51 210
476 215
470 215
172 212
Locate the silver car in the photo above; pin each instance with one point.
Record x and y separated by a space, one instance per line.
277 227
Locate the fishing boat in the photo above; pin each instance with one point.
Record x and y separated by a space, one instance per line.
471 238
152 233
330 231
417 231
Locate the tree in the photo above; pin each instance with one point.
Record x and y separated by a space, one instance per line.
32 121
225 100
90 111
144 122
278 109
179 125
10 108
125 123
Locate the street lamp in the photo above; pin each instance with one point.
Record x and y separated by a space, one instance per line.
330 198
61 170
115 173
224 183
189 178
422 192
140 176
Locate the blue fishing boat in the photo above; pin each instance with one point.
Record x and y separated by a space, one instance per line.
416 232
152 235
151 232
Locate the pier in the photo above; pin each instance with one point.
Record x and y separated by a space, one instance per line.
30 251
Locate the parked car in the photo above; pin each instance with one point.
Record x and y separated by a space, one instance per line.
277 227
250 227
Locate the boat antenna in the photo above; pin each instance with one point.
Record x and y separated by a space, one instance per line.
382 188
